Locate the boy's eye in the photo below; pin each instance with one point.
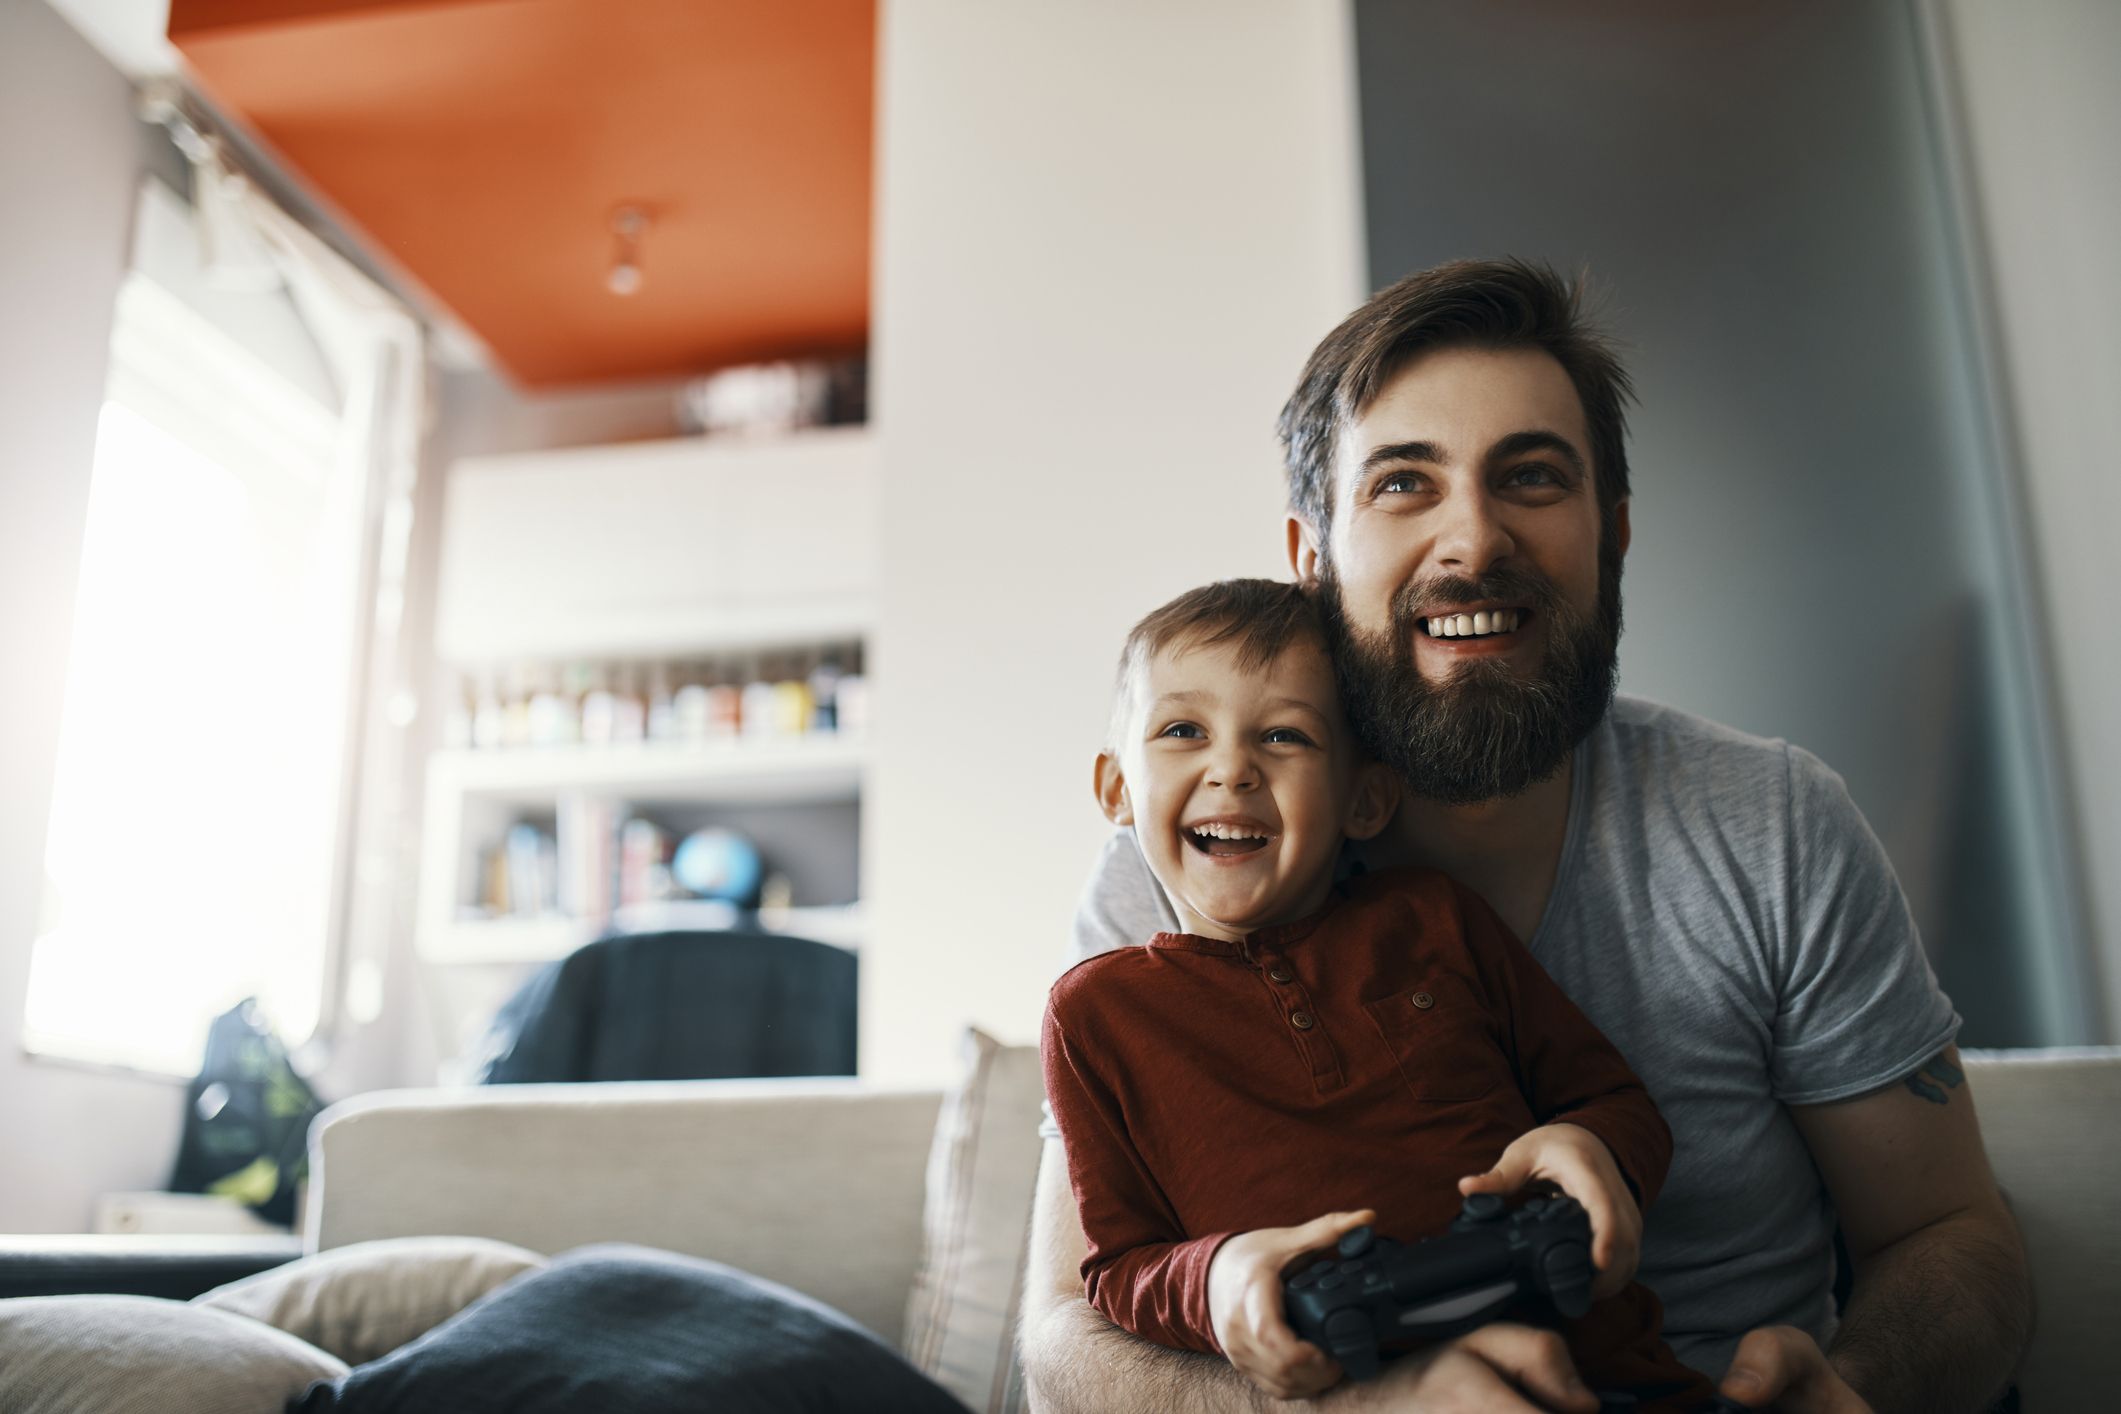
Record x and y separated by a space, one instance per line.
1182 729
1289 736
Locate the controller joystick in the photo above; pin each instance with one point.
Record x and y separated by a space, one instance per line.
1375 1289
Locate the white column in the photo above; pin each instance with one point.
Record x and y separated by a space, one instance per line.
1108 235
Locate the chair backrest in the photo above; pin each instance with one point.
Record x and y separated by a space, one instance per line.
2051 1120
679 1006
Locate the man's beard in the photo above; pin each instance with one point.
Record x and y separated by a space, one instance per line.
1487 731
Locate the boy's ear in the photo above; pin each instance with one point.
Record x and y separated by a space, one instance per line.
1374 801
1110 787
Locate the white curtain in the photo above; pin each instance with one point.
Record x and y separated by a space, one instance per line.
375 349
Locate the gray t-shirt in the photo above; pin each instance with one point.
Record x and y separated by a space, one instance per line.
1726 917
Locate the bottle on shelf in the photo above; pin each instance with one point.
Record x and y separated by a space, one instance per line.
553 719
791 698
515 711
629 711
759 702
599 711
689 709
825 691
662 714
852 698
456 723
726 707
489 718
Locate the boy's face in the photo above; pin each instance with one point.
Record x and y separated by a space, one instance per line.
1241 784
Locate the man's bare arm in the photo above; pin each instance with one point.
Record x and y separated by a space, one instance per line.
1942 1303
1077 1362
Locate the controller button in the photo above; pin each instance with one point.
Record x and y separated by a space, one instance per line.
1301 1020
1424 1000
1332 1281
1304 1278
1356 1242
1280 974
1483 1207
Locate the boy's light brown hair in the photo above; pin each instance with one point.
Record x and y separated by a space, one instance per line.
1261 617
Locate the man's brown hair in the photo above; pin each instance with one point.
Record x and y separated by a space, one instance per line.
1488 304
1261 617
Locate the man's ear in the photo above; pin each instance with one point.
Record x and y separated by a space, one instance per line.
1303 549
1374 800
1621 532
1110 787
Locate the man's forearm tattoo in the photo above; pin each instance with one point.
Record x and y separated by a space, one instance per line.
1943 1072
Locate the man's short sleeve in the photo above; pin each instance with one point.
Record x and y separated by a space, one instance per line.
1122 904
1859 1006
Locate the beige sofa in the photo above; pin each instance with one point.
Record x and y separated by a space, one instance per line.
823 1184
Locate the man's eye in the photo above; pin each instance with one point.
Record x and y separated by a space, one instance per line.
1398 483
1182 730
1534 474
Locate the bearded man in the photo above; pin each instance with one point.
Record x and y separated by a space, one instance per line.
1714 902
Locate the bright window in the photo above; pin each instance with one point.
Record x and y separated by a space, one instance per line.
198 802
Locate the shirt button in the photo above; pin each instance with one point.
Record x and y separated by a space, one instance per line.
1280 974
1424 1000
1301 1020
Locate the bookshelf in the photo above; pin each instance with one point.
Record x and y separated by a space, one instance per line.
688 549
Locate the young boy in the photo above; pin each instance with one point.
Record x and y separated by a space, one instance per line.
1309 1048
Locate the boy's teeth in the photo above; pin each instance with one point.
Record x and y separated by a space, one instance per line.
1217 831
1472 625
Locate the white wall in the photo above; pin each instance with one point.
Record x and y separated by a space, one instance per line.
69 167
2041 115
1108 235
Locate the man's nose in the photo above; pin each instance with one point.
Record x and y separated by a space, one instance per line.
1470 535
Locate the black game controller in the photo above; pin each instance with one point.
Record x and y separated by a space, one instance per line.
1375 1289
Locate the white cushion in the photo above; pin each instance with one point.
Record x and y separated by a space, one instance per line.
364 1301
961 1316
144 1355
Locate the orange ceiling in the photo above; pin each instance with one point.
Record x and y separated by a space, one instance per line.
484 145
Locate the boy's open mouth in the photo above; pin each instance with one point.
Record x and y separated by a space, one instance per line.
1227 837
1480 623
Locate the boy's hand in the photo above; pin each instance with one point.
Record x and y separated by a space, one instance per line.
1578 1162
1244 1305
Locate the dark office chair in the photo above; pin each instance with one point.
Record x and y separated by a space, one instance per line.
679 1006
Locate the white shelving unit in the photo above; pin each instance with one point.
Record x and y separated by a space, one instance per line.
471 795
683 549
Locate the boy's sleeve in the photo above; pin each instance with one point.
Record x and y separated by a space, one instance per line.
1570 1072
1141 1271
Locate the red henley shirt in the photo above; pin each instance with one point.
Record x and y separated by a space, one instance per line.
1368 1056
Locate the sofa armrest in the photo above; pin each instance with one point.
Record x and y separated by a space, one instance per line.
178 1266
815 1183
2048 1119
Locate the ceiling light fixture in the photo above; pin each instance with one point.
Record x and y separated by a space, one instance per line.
628 225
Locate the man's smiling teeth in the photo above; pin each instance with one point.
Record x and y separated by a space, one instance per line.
1473 625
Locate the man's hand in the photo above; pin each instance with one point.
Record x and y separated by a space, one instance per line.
1244 1305
1782 1368
1578 1162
